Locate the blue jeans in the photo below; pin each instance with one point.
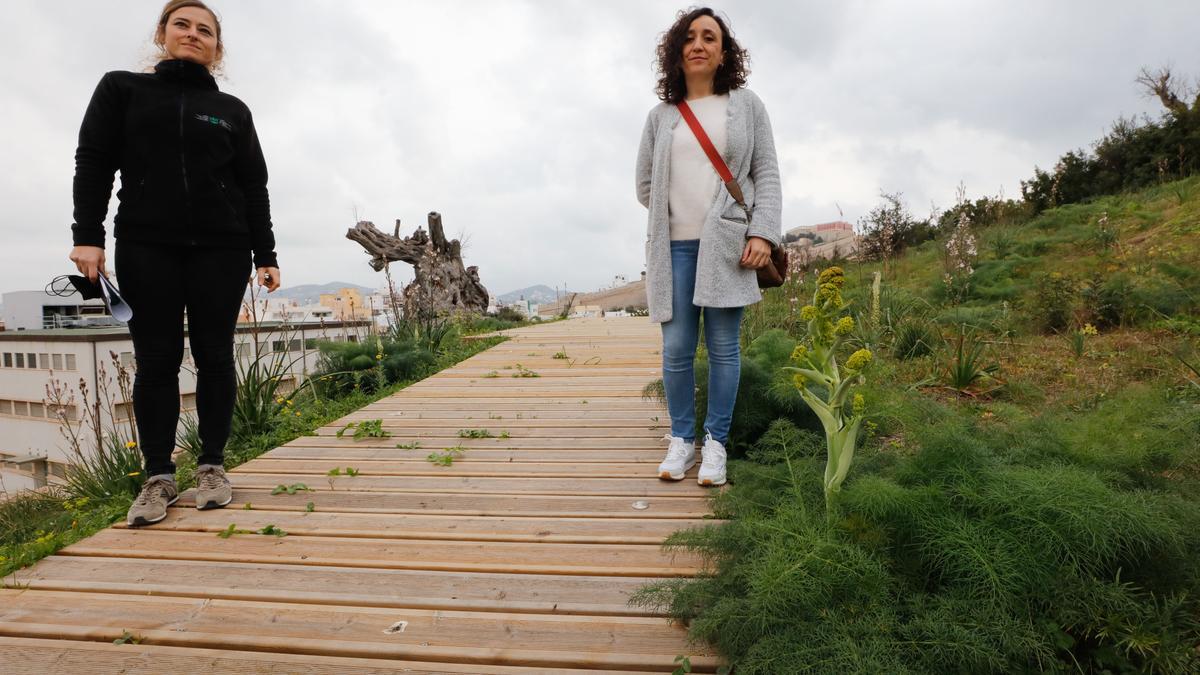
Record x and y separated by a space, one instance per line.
680 337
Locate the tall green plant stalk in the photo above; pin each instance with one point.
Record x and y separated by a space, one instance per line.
824 385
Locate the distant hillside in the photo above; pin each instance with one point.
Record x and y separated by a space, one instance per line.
536 294
310 293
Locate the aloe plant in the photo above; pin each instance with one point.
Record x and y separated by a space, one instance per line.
824 385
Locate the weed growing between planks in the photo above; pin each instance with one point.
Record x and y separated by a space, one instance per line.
365 429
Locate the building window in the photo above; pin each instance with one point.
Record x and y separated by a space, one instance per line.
278 346
8 360
44 359
126 359
188 401
32 360
37 409
70 361
20 360
187 353
240 349
310 343
294 345
6 407
57 359
20 408
352 338
123 411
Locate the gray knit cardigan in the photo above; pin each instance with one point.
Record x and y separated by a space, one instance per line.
750 154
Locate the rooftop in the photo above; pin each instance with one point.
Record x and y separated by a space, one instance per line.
106 333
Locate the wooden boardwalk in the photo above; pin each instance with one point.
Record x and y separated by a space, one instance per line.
517 558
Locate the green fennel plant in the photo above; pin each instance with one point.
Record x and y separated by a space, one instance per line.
824 385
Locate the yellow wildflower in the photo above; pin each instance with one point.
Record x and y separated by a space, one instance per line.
1089 329
844 326
130 445
808 313
799 353
859 404
798 379
859 359
833 275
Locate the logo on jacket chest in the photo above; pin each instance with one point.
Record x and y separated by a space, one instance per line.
215 121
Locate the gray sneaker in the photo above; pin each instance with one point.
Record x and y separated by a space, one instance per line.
213 489
151 504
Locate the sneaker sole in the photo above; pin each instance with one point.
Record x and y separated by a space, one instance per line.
213 504
708 482
140 521
667 475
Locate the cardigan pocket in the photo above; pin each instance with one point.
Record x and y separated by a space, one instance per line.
730 240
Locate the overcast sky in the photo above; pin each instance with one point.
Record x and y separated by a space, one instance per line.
519 121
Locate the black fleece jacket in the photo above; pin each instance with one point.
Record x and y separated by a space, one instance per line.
192 171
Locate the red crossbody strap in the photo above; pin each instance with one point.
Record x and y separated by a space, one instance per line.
713 156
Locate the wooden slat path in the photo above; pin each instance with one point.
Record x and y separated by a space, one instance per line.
519 557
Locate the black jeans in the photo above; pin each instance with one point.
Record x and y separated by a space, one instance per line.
160 282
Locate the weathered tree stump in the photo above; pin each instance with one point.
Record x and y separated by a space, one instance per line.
441 283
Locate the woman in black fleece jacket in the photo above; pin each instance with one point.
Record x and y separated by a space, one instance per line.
193 213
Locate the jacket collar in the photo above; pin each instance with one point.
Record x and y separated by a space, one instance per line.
185 72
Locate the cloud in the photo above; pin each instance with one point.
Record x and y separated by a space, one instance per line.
519 121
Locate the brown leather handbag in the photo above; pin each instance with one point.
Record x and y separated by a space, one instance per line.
774 273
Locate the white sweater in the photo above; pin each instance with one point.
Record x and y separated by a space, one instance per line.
694 182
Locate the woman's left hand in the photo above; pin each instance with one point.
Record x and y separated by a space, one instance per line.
757 253
269 277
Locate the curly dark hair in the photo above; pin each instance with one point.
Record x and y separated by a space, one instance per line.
672 87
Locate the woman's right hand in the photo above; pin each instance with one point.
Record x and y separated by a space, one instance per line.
89 260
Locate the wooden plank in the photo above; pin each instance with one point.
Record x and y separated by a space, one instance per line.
28 655
636 560
548 641
332 585
567 444
467 466
425 526
549 506
649 486
449 418
340 454
651 431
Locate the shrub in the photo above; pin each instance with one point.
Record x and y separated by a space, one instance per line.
1053 304
914 339
114 470
953 559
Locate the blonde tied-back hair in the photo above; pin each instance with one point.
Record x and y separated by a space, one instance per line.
160 31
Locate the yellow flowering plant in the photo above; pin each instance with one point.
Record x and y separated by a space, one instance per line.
823 384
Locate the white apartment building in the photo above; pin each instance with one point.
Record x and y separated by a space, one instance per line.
35 310
32 447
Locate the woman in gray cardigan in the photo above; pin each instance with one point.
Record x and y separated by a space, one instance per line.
701 251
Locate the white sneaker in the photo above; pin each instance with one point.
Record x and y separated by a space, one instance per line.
681 456
712 469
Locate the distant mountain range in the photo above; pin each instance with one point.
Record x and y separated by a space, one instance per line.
310 293
536 294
